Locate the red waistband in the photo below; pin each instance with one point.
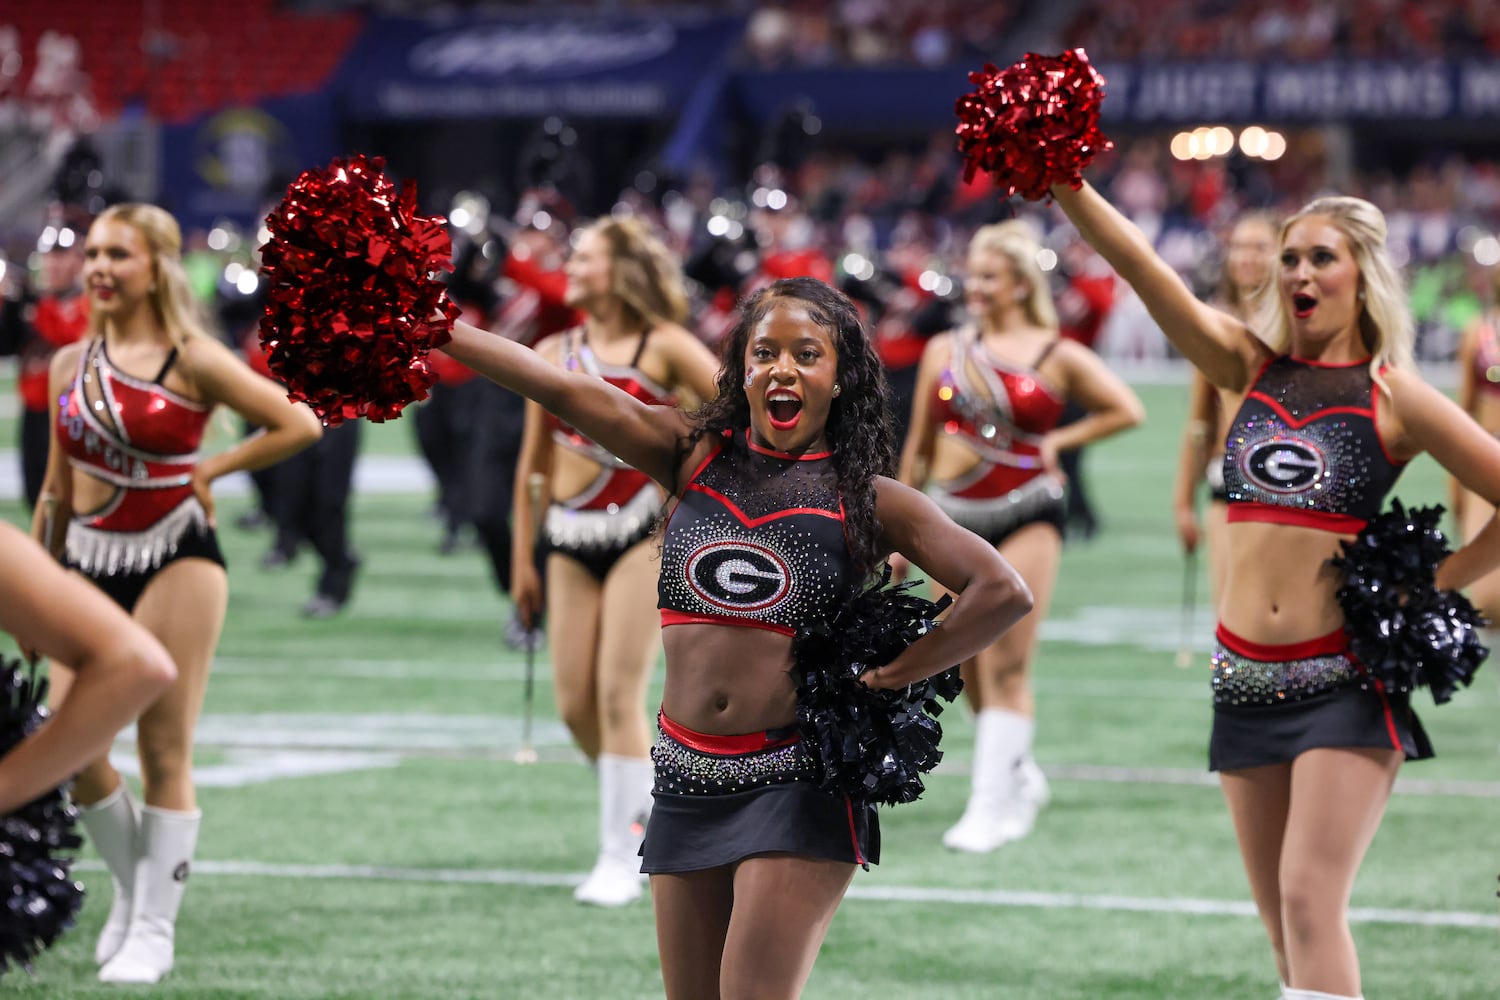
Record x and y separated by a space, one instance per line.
671 617
1336 641
1342 524
709 743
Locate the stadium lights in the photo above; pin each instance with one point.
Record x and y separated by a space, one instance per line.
1487 251
1046 258
1209 141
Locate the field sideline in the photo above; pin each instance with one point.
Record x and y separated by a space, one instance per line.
367 835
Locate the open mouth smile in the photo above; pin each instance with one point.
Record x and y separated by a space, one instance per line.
784 408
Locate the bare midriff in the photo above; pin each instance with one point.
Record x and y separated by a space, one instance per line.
727 681
1279 587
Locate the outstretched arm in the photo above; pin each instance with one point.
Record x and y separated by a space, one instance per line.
1222 347
642 436
991 596
120 667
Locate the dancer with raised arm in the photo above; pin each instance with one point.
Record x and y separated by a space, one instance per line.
1328 409
782 505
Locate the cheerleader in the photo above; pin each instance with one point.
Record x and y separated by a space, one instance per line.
1328 409
782 502
984 443
601 630
127 502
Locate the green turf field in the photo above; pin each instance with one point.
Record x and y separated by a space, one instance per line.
366 834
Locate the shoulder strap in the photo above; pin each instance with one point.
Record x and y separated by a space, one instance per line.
1045 352
640 349
166 366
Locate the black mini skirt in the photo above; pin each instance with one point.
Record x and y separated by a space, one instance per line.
1273 703
721 799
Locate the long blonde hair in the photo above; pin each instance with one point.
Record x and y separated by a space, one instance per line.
644 275
172 301
1385 323
1015 241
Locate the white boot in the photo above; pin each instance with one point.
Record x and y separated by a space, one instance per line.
167 840
112 823
616 878
1032 793
1291 994
1001 737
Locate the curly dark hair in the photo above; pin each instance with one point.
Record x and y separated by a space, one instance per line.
859 431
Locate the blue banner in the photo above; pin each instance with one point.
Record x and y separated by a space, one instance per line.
232 163
1291 93
1154 93
525 68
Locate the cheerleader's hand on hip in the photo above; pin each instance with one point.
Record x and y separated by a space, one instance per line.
203 491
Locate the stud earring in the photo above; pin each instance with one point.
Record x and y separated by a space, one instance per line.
837 389
749 379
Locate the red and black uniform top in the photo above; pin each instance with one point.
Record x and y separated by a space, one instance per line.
757 540
1305 448
1001 411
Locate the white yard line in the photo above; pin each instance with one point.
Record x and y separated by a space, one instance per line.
995 898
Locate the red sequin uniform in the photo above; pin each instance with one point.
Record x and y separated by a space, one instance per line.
1002 412
619 507
142 439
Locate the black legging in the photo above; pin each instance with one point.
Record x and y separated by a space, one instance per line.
311 501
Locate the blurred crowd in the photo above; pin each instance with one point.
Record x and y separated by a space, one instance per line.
1286 30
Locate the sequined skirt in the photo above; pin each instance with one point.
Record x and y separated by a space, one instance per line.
996 518
1273 703
721 799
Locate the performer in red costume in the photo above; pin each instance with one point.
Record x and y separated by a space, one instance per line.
784 505
127 502
984 442
601 631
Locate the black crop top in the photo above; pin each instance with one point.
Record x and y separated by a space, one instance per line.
1304 448
757 540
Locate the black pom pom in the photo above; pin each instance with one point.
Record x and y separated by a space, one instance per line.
38 897
1405 630
873 746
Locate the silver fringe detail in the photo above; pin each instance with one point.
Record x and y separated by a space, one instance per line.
109 553
992 517
1239 680
602 530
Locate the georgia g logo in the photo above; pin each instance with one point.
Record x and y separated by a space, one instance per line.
1283 465
738 576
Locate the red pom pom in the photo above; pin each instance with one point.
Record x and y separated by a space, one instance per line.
1033 124
353 302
